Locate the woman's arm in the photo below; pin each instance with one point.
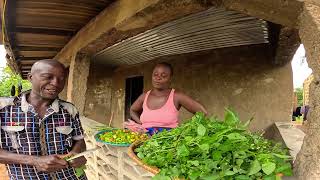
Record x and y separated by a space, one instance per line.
189 104
136 108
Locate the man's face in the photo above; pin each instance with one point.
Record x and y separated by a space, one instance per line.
161 77
48 81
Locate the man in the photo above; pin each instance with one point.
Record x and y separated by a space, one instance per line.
37 129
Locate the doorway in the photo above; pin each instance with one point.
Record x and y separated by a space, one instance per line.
134 88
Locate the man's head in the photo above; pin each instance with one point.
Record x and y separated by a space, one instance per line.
161 75
47 78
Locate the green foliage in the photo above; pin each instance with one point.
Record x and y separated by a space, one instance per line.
204 148
299 92
8 79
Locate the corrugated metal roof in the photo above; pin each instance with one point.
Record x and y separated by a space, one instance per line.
210 29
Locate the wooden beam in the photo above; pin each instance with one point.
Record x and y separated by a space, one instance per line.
23 62
37 53
33 58
11 21
35 48
44 31
9 39
285 13
25 67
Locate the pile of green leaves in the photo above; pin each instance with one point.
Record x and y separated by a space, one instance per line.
210 149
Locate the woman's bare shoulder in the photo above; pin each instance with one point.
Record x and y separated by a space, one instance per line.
143 95
178 92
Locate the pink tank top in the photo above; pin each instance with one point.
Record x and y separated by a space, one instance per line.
166 116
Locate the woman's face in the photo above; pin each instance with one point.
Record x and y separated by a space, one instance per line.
161 77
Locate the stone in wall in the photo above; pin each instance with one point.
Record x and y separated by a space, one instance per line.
307 165
306 90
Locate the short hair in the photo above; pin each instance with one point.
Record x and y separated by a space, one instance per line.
167 65
36 66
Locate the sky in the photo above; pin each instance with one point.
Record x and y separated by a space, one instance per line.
299 66
2 59
2 56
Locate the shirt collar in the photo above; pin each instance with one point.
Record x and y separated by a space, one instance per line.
25 106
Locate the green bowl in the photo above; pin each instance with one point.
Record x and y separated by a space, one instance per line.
96 137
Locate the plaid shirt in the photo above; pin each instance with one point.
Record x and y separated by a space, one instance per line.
24 132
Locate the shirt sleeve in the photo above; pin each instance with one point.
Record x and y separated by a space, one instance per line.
77 133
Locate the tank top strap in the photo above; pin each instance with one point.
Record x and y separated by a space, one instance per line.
145 99
170 101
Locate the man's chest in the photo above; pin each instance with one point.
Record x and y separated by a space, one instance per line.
14 117
26 130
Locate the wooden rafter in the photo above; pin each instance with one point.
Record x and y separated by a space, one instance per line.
9 39
36 48
44 31
33 58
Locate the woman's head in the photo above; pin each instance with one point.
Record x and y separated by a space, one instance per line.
161 75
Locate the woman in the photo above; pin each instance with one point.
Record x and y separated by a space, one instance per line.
158 108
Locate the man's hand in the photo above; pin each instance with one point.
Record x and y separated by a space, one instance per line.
78 162
50 163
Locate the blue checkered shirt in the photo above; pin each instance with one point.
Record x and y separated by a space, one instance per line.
24 132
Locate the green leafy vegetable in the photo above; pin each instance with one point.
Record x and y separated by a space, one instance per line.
204 148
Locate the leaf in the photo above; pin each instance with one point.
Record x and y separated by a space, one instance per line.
201 130
194 175
230 118
216 155
285 169
246 124
154 143
140 155
254 168
229 173
236 136
175 172
226 147
161 177
182 151
204 147
211 177
282 156
195 163
268 167
188 138
269 177
239 162
242 177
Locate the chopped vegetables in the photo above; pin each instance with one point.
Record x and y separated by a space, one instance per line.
122 136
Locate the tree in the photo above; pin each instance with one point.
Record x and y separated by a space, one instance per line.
299 92
9 79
